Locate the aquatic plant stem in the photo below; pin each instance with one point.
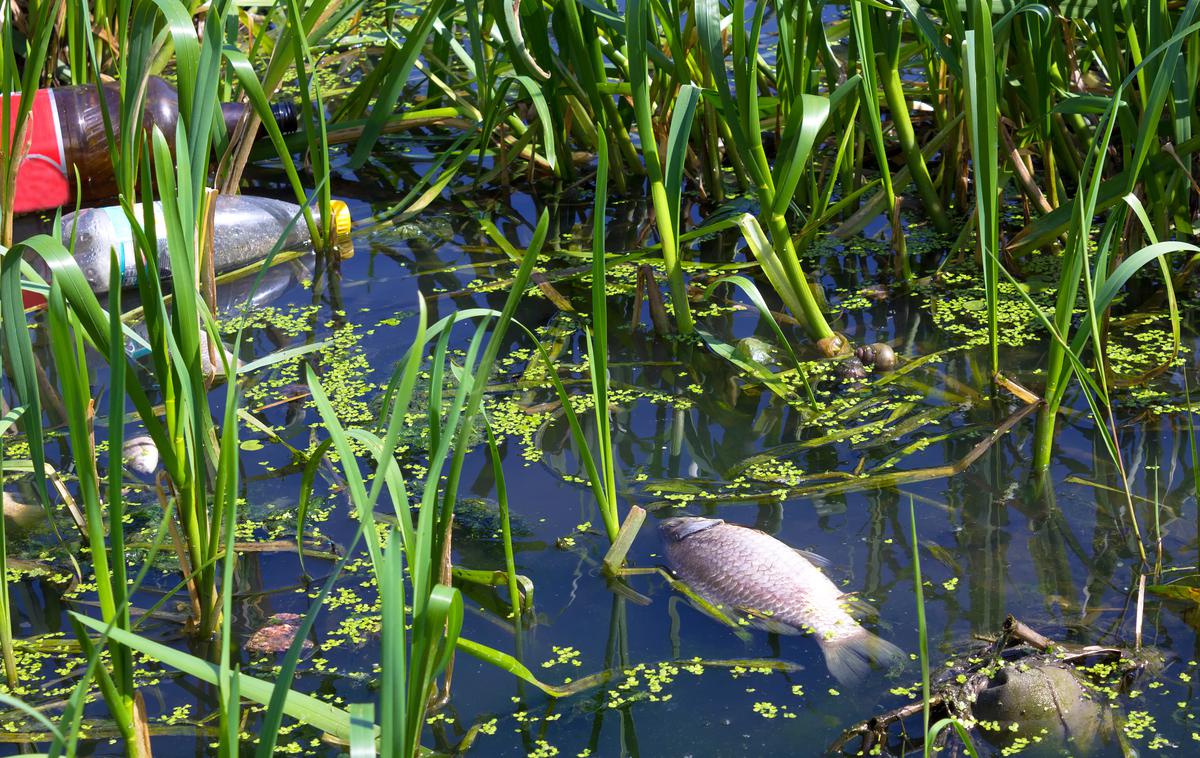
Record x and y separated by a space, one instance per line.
597 344
893 92
922 630
1043 436
810 310
670 252
6 638
510 563
666 212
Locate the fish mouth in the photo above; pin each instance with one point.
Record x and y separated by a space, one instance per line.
679 528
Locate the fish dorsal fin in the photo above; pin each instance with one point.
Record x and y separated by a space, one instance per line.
819 561
683 527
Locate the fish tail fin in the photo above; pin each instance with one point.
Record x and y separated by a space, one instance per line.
850 658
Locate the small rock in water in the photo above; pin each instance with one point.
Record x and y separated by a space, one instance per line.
277 634
140 455
1045 700
754 349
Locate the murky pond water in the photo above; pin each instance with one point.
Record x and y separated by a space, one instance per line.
694 436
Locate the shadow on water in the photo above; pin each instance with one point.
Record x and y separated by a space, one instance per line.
692 434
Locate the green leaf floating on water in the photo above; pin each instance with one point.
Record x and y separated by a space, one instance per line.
1176 591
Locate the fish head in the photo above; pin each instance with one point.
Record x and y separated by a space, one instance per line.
680 528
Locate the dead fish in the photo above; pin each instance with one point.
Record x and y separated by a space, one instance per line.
277 635
779 589
22 514
140 455
216 367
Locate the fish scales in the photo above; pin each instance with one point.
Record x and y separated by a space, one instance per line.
744 570
758 573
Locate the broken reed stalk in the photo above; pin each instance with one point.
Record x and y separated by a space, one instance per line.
1017 632
615 557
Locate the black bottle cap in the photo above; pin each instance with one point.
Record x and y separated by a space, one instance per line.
286 115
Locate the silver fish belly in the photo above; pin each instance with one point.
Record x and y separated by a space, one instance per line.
746 572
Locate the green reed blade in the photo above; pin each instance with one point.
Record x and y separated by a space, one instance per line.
67 347
922 629
117 579
507 663
398 409
595 477
809 114
982 117
597 343
21 365
354 479
72 715
312 111
306 708
281 694
510 564
231 714
520 282
931 35
248 79
640 28
397 63
677 147
307 478
6 639
393 478
960 729
362 730
751 291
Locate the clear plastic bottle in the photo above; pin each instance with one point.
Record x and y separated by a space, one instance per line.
241 295
245 229
65 133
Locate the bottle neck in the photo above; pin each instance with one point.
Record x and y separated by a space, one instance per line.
283 111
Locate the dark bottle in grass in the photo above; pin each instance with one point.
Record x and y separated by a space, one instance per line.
65 133
245 230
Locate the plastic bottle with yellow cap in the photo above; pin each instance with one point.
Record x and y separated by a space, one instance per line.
245 230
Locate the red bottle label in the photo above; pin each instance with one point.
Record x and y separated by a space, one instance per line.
42 180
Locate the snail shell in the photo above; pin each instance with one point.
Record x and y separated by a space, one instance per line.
140 455
884 356
866 354
851 370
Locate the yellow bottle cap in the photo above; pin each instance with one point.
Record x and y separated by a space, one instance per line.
340 213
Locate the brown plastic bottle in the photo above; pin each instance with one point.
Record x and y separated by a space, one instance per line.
66 133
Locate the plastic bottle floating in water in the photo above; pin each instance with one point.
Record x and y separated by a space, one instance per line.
65 133
245 230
